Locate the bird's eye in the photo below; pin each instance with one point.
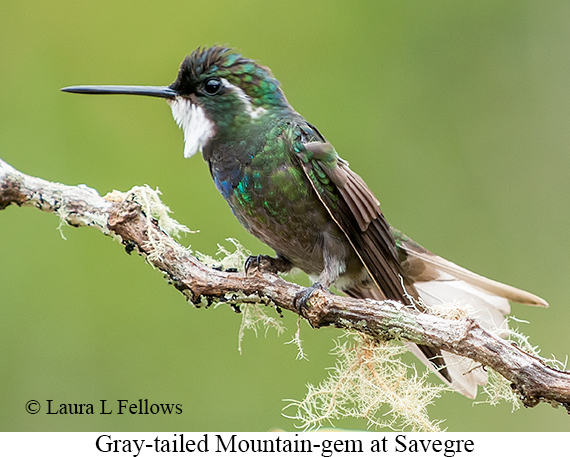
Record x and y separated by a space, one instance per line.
212 86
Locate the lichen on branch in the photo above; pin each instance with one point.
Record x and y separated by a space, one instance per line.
141 223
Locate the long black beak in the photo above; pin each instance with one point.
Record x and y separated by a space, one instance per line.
152 91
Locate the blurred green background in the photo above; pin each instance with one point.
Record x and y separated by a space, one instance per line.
455 113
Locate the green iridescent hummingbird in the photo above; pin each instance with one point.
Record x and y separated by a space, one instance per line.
287 186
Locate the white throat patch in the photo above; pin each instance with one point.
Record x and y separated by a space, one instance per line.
192 119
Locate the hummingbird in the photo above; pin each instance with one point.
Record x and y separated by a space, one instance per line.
287 185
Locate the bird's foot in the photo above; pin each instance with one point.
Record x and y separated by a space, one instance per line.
266 264
301 298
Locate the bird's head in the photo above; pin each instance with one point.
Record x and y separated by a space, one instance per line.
216 92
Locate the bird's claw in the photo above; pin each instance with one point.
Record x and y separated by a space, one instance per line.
302 297
259 262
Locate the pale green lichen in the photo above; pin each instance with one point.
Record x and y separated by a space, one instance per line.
253 308
63 214
298 342
156 210
226 259
498 389
255 318
369 381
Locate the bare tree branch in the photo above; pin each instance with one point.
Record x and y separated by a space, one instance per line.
122 217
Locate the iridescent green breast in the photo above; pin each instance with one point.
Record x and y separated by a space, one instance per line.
271 192
273 199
